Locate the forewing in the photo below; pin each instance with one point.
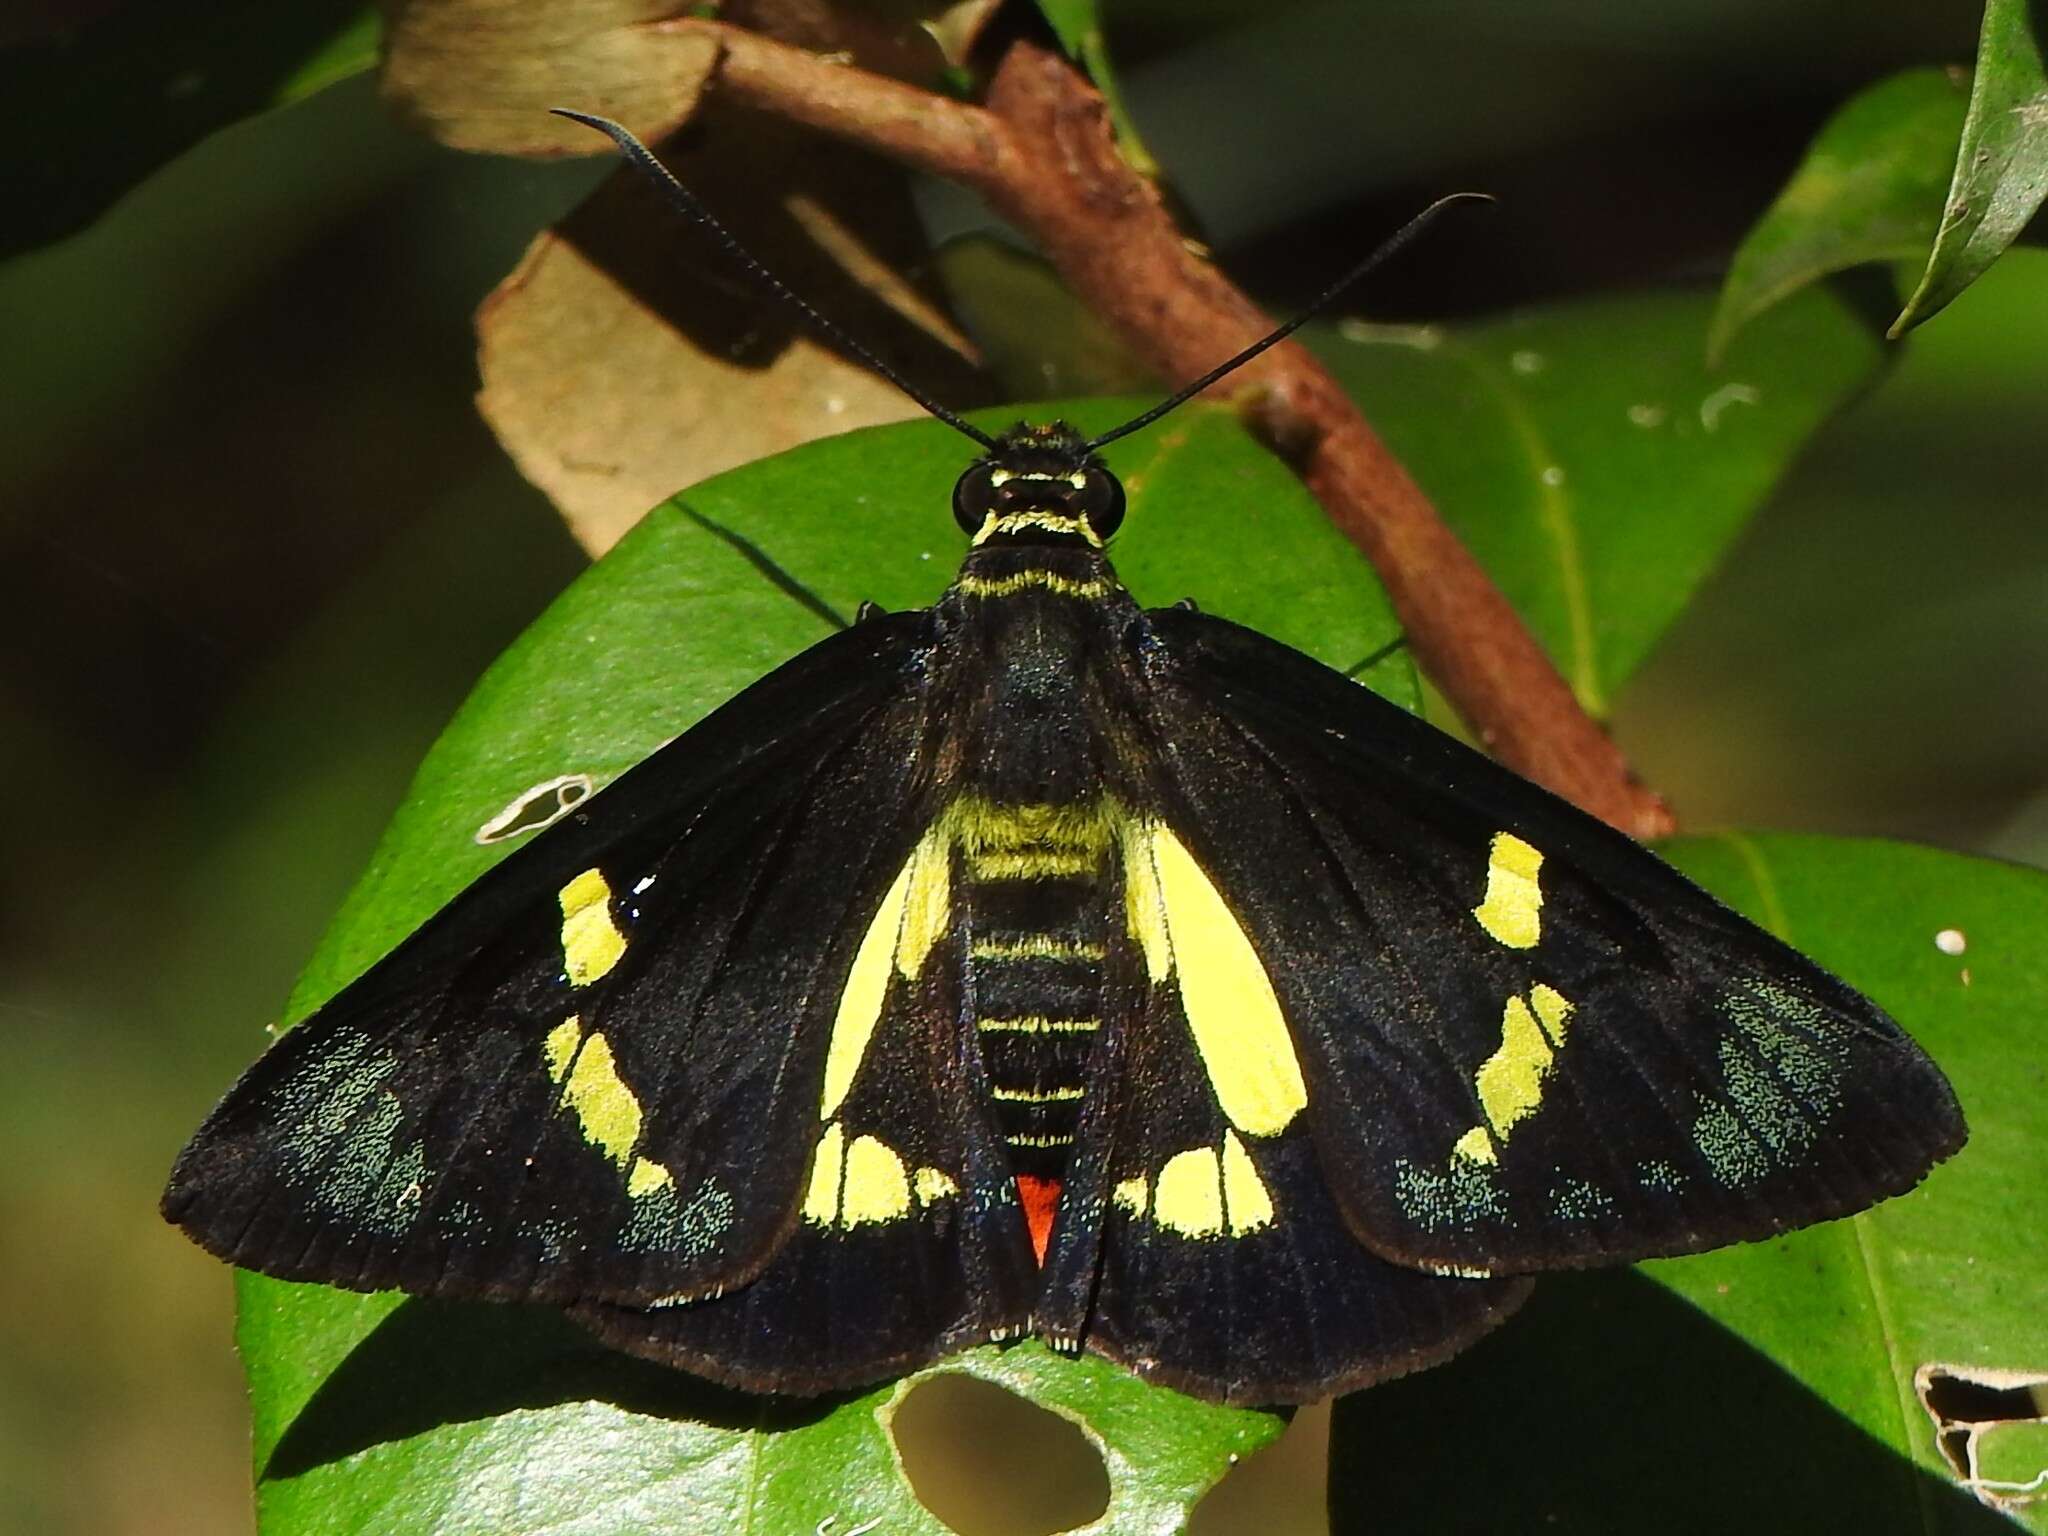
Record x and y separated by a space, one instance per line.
596 1073
1528 1043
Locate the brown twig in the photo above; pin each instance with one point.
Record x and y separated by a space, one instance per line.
1042 154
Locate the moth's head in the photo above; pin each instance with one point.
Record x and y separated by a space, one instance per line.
1039 485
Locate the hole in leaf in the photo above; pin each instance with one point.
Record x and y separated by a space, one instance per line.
1282 1488
1992 1427
541 806
990 1463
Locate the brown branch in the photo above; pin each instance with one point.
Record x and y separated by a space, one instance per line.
1043 156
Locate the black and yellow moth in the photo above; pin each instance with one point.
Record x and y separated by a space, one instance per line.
1035 963
1171 996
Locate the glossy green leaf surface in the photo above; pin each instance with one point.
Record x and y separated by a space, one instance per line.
1869 189
2001 170
157 79
379 1413
1773 1386
1589 458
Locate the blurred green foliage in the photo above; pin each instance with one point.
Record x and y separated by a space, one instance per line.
258 547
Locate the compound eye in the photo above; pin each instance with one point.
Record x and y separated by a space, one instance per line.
973 494
1102 502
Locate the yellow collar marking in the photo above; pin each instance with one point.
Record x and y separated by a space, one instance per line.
1051 522
1019 581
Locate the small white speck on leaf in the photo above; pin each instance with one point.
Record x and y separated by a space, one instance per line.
1423 338
1719 401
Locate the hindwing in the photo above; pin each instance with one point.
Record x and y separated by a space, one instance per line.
910 1243
1197 1241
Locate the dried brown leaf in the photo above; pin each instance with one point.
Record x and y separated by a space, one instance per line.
482 74
622 361
885 37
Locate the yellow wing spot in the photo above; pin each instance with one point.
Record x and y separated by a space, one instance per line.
1475 1146
1189 1196
1553 1011
877 1184
821 1200
1144 904
927 903
601 1087
1247 1203
1239 1032
560 1047
860 1000
933 1185
1514 901
591 941
647 1177
910 921
1019 581
851 1183
1134 1195
599 1097
1510 1081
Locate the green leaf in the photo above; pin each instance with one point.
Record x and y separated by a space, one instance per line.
379 1413
1771 1387
351 50
495 1420
1870 189
158 80
1587 457
2001 170
1033 334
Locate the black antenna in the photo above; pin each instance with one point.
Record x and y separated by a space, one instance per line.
1389 247
684 201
